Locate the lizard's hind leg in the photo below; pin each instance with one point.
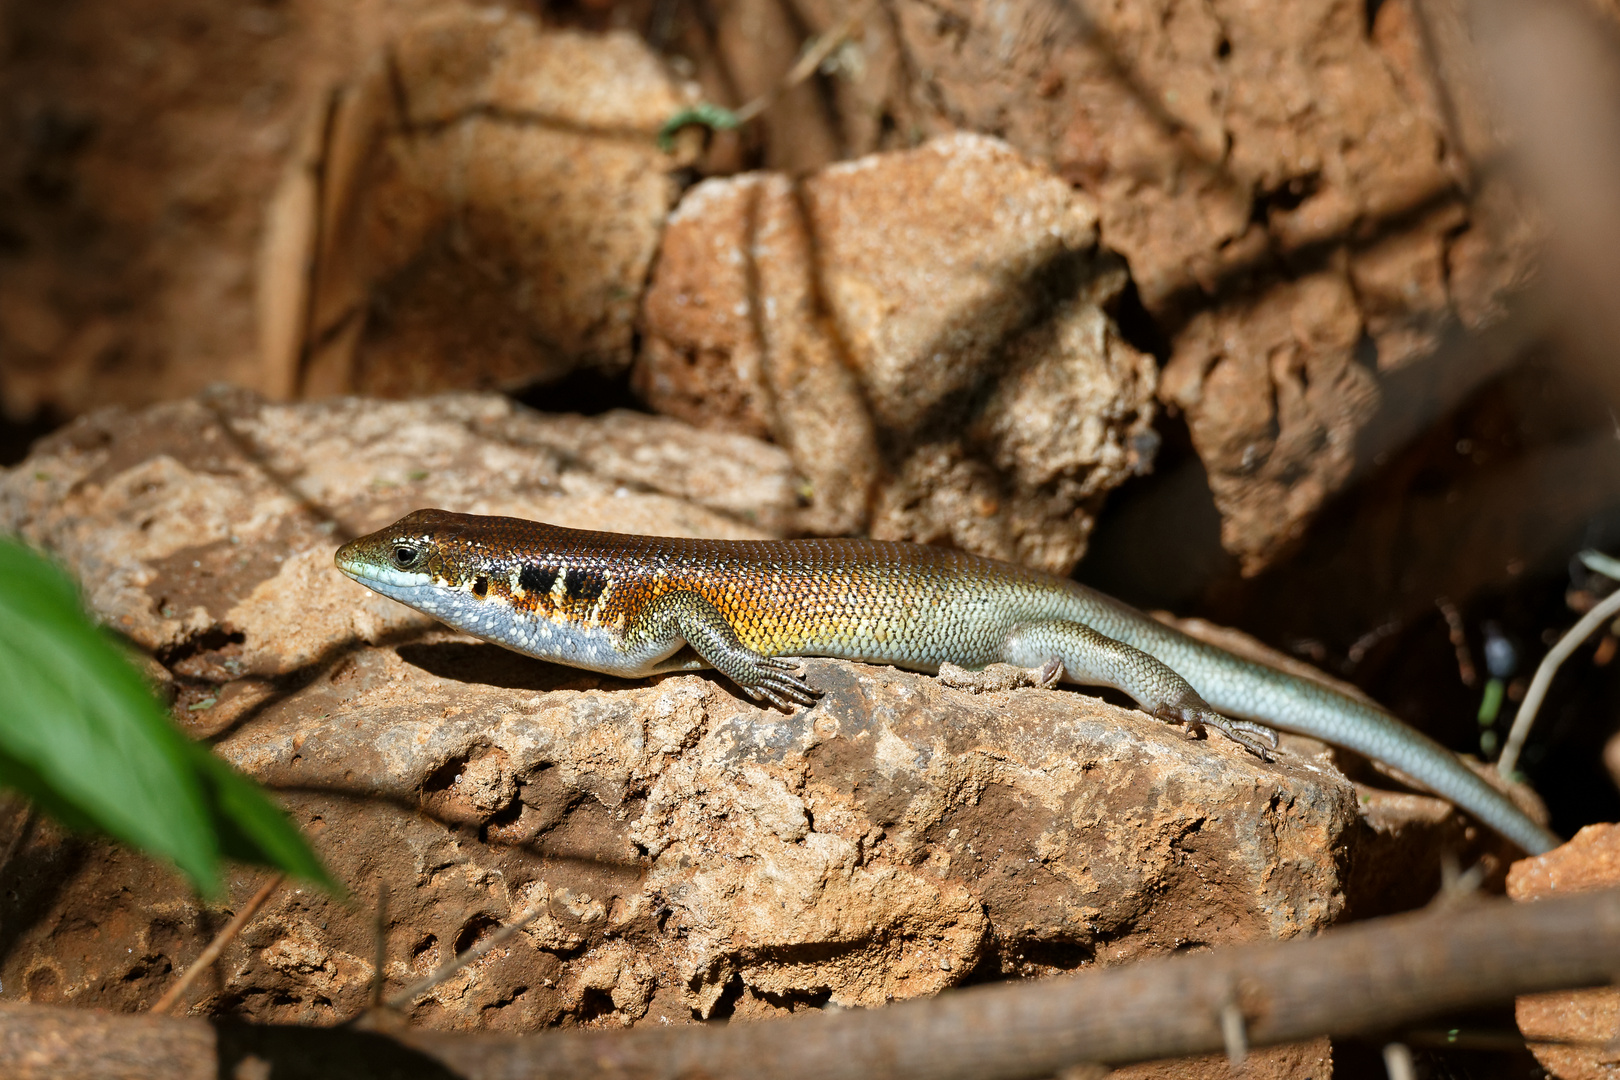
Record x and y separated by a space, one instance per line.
700 624
1092 658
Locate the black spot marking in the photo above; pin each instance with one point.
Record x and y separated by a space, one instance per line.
537 579
584 584
480 586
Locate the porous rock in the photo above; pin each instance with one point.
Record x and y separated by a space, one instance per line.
1248 163
494 197
684 852
1571 1032
321 196
924 331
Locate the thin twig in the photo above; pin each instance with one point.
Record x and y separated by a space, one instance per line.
1459 641
808 62
1599 563
1235 1034
1398 1062
407 996
1362 980
379 950
1598 616
25 819
217 946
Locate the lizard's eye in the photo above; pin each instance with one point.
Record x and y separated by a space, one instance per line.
406 556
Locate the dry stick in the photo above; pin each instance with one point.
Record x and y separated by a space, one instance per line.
1361 979
24 821
1370 977
1398 1062
407 996
1459 641
1599 563
1234 1032
217 946
379 950
822 48
1608 609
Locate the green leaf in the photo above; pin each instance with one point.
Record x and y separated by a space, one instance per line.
81 735
717 117
252 828
79 728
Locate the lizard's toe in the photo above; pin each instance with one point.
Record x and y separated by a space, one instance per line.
1246 735
1198 717
1048 674
782 688
1252 728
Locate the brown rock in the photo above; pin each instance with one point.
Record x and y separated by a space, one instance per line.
927 259
492 221
1274 393
1571 1032
162 203
216 517
495 198
701 358
947 324
1188 125
690 854
1236 155
735 341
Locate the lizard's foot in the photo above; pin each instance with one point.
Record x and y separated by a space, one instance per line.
1248 735
1198 717
1001 676
774 681
1251 727
1048 674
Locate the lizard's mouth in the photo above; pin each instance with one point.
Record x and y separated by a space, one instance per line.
384 563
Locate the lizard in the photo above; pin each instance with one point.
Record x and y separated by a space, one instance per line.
629 605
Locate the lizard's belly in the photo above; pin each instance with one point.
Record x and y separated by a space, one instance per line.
577 642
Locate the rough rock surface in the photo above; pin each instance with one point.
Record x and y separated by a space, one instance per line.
1302 195
1251 164
1571 1032
691 854
925 331
493 196
191 521
306 196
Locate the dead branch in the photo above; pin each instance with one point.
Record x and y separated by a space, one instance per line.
1598 616
1370 977
407 997
176 993
814 53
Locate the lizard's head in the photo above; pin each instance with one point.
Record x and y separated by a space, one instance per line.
406 558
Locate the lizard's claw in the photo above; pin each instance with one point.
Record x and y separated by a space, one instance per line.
1252 728
1048 674
1246 733
776 683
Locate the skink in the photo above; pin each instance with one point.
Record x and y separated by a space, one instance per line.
626 605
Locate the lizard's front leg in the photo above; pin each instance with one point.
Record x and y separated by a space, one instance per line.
712 637
1093 658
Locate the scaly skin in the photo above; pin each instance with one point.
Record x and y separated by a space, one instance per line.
626 605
